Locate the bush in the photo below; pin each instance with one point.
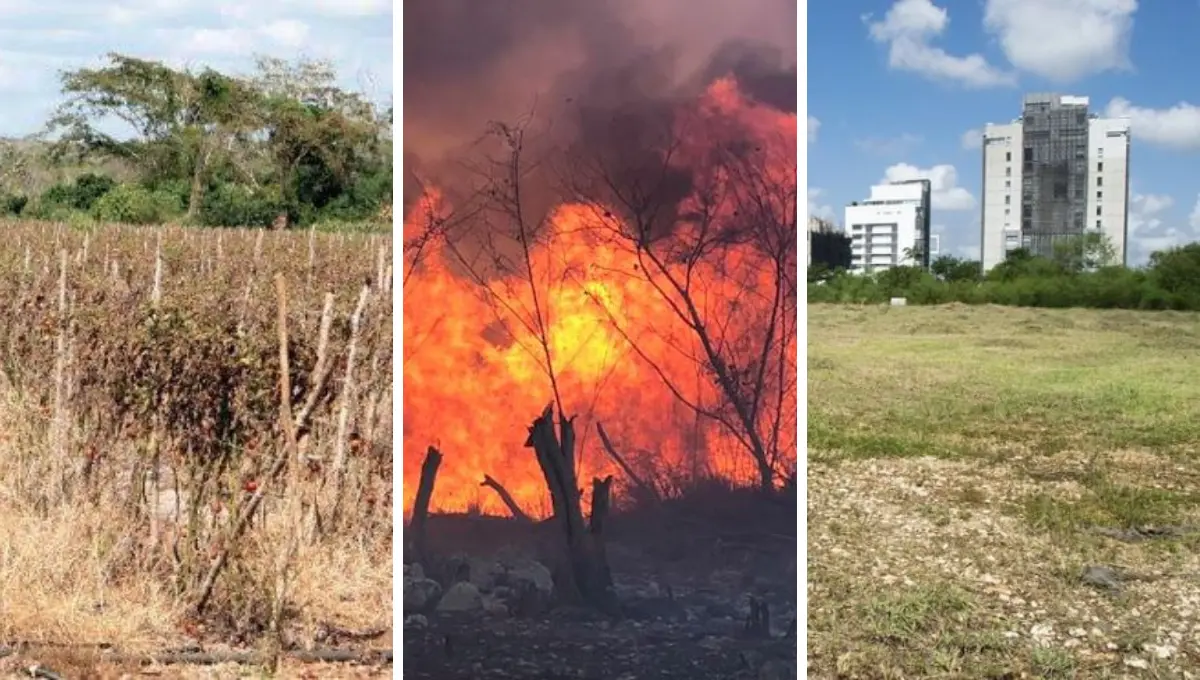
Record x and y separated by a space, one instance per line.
233 205
81 194
132 204
11 205
1170 281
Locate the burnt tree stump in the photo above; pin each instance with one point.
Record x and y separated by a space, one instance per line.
429 468
588 580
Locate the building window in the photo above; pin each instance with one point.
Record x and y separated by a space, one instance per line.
1007 184
1008 156
1100 166
1099 195
1007 212
1098 213
1097 224
1099 181
1008 172
1007 199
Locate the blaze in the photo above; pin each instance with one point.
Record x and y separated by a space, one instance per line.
475 372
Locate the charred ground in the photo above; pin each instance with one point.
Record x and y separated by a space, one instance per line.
685 573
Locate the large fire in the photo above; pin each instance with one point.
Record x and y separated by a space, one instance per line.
474 371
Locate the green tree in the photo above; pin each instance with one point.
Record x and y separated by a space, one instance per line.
1085 252
1177 272
176 121
950 269
325 145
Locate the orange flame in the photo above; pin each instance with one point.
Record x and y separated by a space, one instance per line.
474 371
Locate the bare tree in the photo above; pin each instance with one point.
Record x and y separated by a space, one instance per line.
709 214
502 252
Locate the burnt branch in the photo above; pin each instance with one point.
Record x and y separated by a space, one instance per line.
506 498
645 489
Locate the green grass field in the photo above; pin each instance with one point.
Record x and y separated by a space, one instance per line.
1002 493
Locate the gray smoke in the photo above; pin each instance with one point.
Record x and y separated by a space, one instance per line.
591 66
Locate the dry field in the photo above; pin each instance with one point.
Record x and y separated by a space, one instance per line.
158 494
1003 493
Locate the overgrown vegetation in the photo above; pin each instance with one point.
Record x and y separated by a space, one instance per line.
1001 492
196 433
138 142
1077 275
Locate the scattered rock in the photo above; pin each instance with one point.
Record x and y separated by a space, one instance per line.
1135 662
775 669
533 573
484 574
419 592
1161 651
416 621
1139 534
495 607
461 597
1100 576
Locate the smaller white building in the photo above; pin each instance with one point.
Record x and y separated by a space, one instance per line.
891 228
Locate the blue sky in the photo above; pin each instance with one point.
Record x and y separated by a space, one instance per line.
900 88
38 38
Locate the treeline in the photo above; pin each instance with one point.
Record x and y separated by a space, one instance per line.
1077 275
138 142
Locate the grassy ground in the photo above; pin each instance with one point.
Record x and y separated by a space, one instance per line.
1002 493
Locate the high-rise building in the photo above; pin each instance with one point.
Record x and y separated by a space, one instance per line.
891 228
828 245
1055 173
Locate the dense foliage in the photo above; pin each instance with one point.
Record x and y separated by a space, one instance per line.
204 148
1072 277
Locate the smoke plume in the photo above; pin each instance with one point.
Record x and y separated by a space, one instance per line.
470 62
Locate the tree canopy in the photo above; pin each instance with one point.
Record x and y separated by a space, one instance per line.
1079 273
213 148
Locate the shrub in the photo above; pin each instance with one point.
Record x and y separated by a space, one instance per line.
11 205
1170 281
232 205
132 204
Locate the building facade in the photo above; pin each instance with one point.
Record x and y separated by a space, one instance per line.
827 246
891 228
1056 173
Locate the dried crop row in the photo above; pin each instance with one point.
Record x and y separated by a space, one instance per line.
155 354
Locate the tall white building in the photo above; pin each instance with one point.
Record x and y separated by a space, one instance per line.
1056 172
891 228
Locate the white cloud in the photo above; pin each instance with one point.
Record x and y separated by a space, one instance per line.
283 33
1194 218
39 39
970 252
1035 39
1175 127
816 208
1145 211
943 179
889 146
1149 230
346 8
286 32
972 139
909 27
814 126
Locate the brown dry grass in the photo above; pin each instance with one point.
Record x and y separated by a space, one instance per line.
960 460
76 564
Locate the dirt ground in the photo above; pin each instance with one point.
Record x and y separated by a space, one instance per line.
1003 493
684 581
